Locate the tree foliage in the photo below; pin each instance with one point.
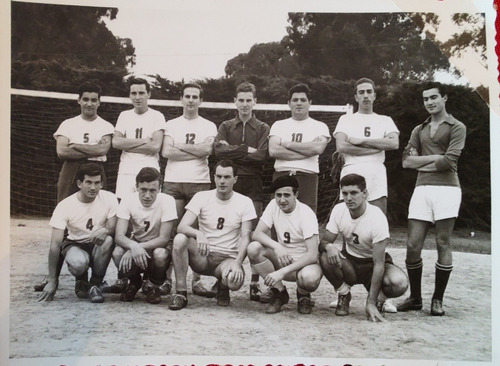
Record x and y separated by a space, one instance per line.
55 47
386 46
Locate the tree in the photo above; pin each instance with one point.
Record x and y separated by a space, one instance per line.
385 46
57 47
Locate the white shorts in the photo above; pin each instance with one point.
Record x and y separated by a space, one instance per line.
375 176
432 203
125 185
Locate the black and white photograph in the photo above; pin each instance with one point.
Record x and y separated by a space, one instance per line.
264 183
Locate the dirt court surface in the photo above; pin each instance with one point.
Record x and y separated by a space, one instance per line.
69 326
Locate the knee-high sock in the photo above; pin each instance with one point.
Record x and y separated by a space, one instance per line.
415 277
442 275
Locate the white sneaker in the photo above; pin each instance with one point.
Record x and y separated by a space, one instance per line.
387 307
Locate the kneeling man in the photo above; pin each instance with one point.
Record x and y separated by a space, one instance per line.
363 260
89 215
152 215
219 246
294 257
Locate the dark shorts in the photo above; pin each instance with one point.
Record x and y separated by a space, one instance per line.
363 268
250 186
308 187
184 191
67 244
214 259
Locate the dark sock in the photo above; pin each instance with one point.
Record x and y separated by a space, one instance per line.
415 277
96 280
255 278
442 275
83 277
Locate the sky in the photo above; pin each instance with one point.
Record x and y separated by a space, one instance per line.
180 41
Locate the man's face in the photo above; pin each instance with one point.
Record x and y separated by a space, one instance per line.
90 186
244 103
353 196
139 96
299 105
148 191
191 99
433 101
365 96
286 199
224 179
89 102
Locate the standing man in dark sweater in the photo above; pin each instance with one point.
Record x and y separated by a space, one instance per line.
244 140
433 150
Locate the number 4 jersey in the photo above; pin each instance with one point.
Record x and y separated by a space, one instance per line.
82 218
365 126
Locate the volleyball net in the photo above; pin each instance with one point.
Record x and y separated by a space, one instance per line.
36 115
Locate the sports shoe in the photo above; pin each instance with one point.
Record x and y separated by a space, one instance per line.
147 287
410 304
343 305
223 298
200 290
166 287
117 288
267 296
178 302
81 289
41 285
279 298
95 295
386 307
304 305
129 293
254 292
437 307
154 295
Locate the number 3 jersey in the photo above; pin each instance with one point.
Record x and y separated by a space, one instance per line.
292 228
82 218
185 131
362 233
146 221
220 220
365 126
139 126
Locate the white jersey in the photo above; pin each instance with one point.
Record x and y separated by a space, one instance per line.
146 221
291 228
82 218
81 131
220 220
365 126
133 125
299 131
186 131
362 233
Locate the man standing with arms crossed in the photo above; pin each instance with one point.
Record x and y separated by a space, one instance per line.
296 144
362 138
216 246
187 144
244 140
139 134
433 150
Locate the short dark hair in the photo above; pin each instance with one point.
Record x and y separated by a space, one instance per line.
139 81
88 87
148 174
246 87
90 169
285 181
434 85
353 180
300 88
362 81
227 163
192 85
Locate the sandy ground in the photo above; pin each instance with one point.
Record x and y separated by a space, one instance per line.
69 326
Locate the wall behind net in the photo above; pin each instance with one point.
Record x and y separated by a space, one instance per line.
35 166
